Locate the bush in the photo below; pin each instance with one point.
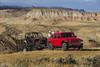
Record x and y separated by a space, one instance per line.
70 60
91 61
67 60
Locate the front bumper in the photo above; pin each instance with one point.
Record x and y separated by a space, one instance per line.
76 44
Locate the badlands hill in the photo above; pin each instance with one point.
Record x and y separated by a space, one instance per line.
51 13
86 25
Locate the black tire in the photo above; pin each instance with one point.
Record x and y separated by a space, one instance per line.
64 46
80 47
50 46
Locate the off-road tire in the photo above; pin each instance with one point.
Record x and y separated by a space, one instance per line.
80 47
64 46
50 46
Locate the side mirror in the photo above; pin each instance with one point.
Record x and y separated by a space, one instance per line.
75 36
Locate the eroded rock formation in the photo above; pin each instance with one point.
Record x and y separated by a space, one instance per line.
62 14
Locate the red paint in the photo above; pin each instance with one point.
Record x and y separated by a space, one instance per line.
68 37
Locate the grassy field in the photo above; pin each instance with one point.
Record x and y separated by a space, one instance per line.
48 58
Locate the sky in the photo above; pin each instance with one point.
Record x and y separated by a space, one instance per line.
88 5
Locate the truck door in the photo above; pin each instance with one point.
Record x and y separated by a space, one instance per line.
58 40
54 40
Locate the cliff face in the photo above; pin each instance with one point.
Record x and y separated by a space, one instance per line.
61 14
55 14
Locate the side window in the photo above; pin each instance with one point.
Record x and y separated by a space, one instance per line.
58 35
51 36
54 35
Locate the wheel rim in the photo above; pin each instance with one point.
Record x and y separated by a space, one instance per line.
50 46
64 47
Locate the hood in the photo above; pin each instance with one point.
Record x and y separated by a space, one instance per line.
72 39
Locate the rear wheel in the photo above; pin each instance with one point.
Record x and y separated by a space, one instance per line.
50 46
65 46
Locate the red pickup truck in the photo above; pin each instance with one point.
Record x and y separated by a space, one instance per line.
64 40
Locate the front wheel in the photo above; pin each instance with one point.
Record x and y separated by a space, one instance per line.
80 47
50 46
65 46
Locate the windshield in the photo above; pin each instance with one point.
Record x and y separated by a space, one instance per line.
67 35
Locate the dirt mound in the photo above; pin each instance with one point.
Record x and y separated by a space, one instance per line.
8 39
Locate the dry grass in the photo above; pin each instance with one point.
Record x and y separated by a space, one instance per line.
32 59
